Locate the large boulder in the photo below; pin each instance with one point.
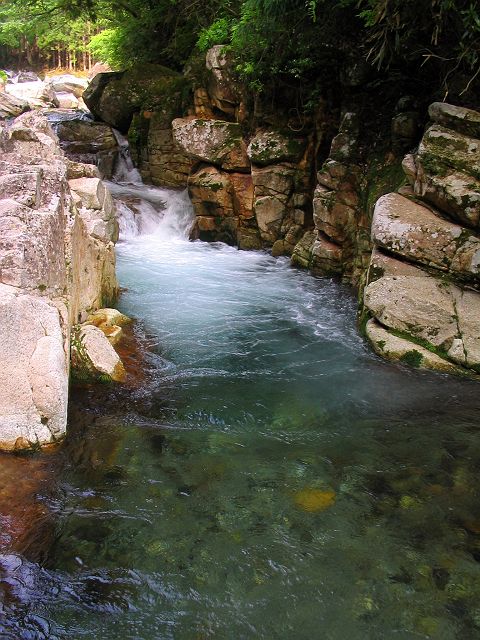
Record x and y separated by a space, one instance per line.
96 207
412 230
276 198
67 100
420 306
26 76
68 84
442 150
424 309
211 193
110 322
393 347
10 106
445 171
272 147
460 119
93 356
213 141
456 193
427 316
88 142
302 253
223 86
223 205
334 213
115 97
159 159
327 257
36 94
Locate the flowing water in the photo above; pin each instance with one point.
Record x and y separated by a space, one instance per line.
267 476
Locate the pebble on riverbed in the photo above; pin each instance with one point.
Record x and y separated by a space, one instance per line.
313 500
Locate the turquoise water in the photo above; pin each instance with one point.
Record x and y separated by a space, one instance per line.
269 478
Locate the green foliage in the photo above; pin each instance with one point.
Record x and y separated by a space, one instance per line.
3 76
109 46
217 33
424 31
298 45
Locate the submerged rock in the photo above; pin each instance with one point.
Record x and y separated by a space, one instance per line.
313 500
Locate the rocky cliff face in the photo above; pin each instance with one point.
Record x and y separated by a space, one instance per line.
57 263
421 301
309 190
143 102
249 188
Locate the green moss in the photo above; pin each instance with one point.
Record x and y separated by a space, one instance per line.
433 166
363 317
215 186
443 154
381 178
381 344
375 273
413 358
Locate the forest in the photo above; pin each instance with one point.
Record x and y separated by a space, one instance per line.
273 42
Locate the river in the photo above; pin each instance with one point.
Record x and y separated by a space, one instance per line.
266 477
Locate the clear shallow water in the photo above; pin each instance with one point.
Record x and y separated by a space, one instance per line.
269 478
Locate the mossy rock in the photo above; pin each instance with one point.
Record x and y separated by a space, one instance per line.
115 97
270 147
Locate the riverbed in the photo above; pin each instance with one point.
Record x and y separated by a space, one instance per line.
266 477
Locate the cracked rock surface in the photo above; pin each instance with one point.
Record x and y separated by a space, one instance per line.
56 266
422 290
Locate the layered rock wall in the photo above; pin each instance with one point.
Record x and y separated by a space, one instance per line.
421 301
142 102
249 187
56 265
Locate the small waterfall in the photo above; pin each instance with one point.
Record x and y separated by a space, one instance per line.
142 209
125 170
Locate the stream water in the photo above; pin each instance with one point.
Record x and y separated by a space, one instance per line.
267 476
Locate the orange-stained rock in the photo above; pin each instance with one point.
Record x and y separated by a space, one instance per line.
211 192
206 223
313 500
242 194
